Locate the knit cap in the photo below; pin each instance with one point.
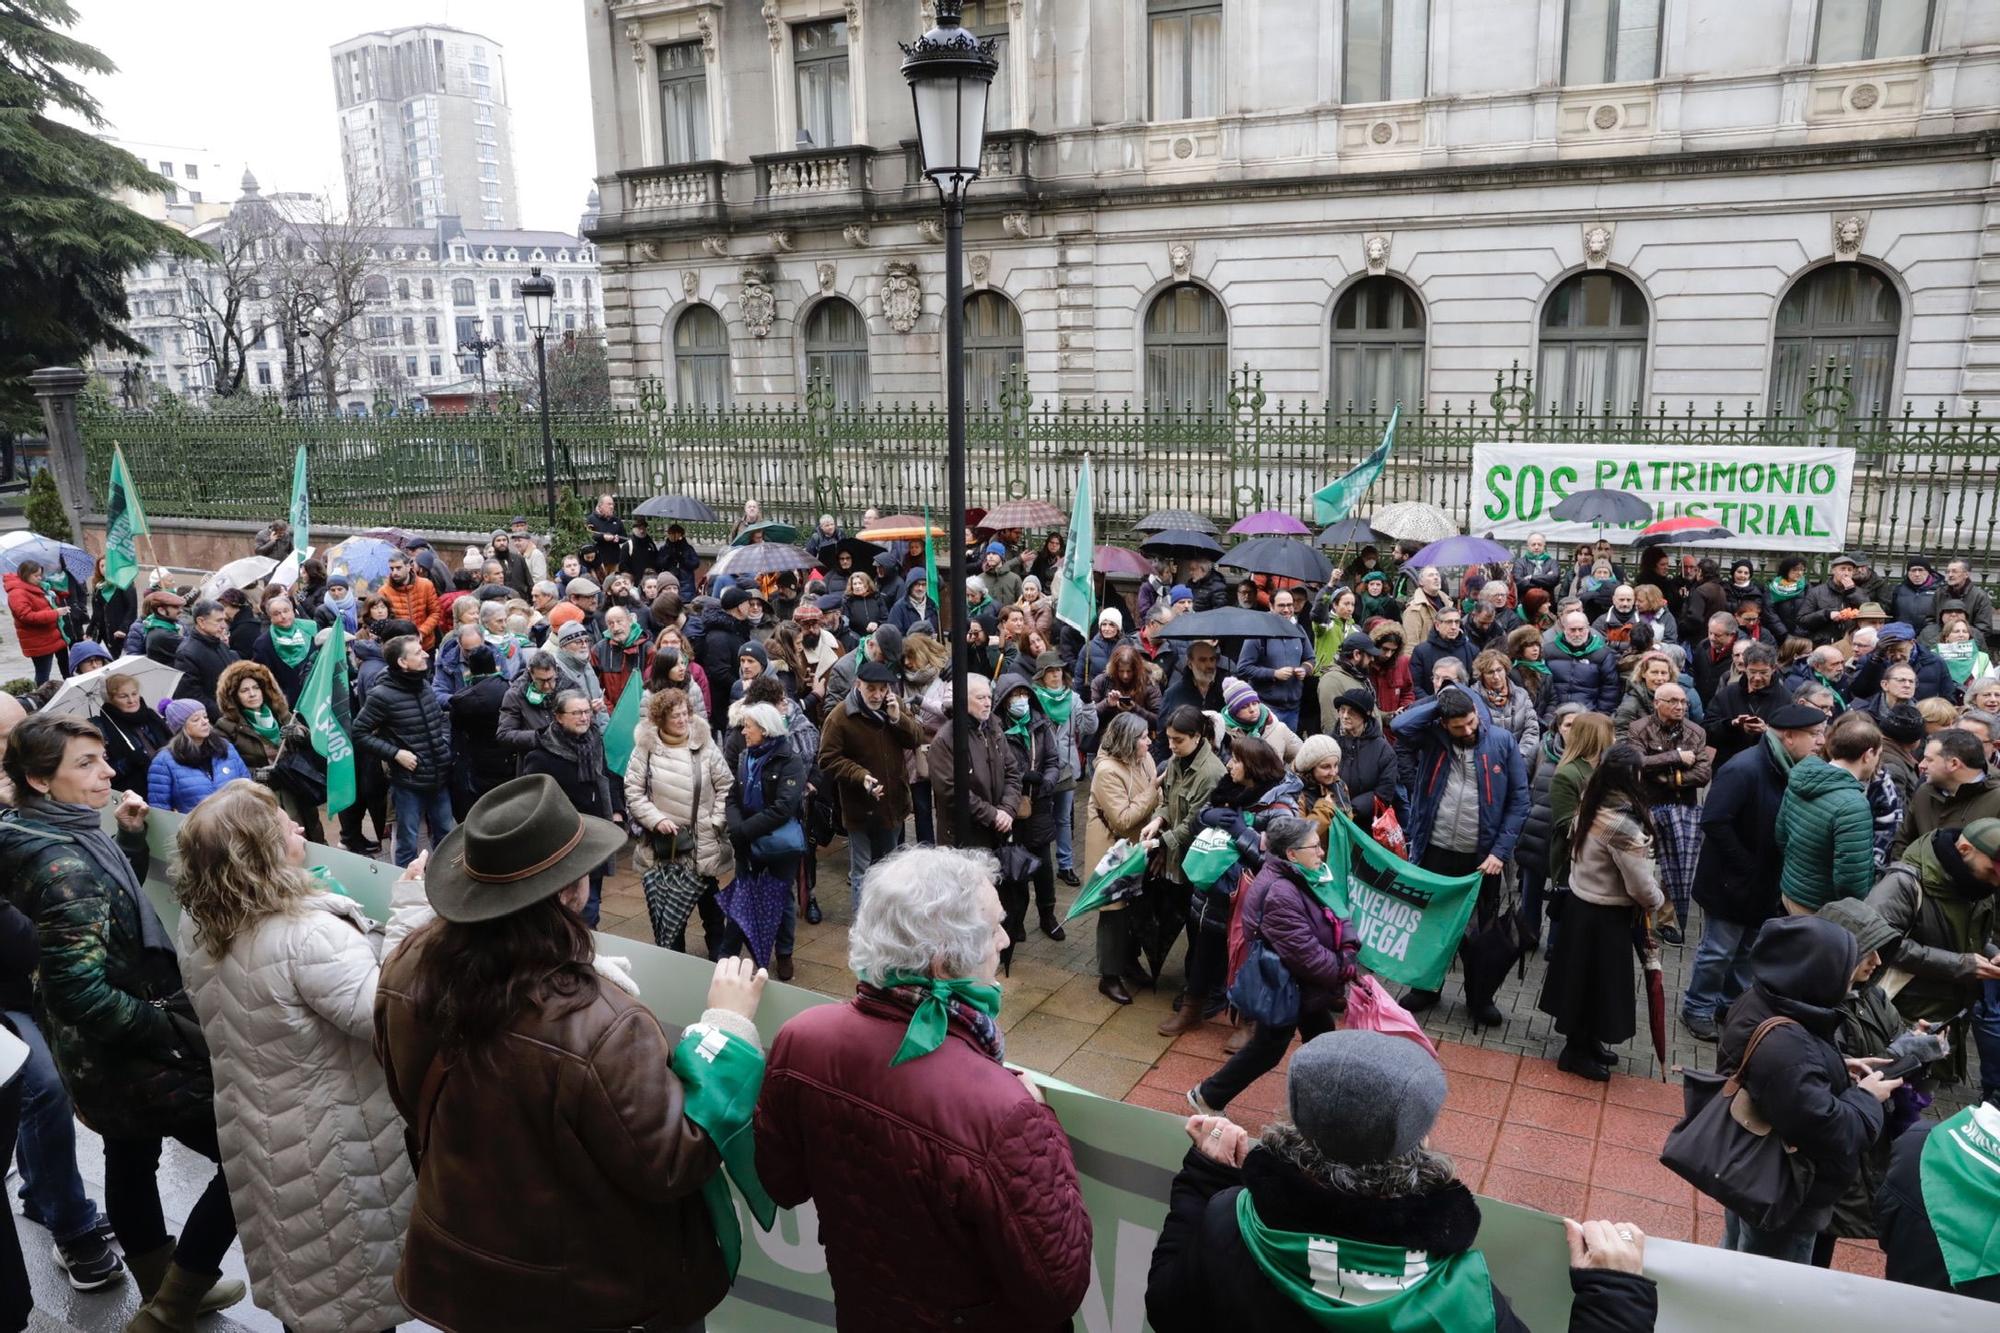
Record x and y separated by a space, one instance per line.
1238 694
1363 1096
1180 592
178 711
752 648
1314 751
1984 835
571 631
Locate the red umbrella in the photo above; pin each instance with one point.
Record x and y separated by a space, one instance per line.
1680 531
1648 949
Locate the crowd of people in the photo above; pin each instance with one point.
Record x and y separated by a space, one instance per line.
1603 748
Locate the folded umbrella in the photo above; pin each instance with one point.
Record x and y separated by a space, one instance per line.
1413 521
1648 949
681 508
1269 523
1602 506
1186 520
1180 544
1230 622
1454 552
1281 557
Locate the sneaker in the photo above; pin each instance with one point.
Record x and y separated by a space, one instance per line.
1197 1105
1700 1027
1671 935
88 1262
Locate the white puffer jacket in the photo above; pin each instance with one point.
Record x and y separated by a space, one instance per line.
659 784
312 1146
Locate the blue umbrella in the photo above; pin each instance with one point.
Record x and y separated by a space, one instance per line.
47 552
1602 506
1347 532
1454 552
363 558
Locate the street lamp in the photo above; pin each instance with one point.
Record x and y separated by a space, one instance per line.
538 297
950 72
472 358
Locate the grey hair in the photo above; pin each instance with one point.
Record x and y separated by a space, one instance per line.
1417 1172
923 908
493 609
548 586
1724 620
478 635
564 698
767 717
1124 737
1567 710
542 660
1983 718
1983 683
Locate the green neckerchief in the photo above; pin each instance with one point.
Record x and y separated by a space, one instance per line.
1346 1284
265 723
1594 644
1779 752
1784 592
327 881
1247 728
721 1075
1019 727
1959 1171
1839 695
933 1013
1958 659
1324 888
291 645
161 622
1535 664
1537 557
536 698
1056 703
633 633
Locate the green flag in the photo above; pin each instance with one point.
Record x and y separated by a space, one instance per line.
618 733
1332 502
301 505
1076 602
124 520
930 563
1409 920
326 683
1121 861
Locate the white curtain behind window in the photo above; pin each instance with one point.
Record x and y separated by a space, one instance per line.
1169 49
1638 40
1205 73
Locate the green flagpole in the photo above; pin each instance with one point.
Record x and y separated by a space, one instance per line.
930 561
1076 599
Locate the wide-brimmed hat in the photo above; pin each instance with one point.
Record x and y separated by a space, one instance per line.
520 843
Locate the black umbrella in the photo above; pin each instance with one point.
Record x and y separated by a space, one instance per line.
743 562
684 508
1180 544
1602 506
1230 622
1347 532
1181 520
1281 557
863 554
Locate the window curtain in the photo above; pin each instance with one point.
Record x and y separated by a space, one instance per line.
1205 66
1362 80
684 117
703 379
823 112
1169 51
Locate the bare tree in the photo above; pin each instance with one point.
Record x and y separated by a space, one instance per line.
326 269
222 307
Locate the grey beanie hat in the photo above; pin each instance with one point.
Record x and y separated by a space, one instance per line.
1363 1096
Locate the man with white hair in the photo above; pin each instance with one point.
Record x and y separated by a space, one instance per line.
995 780
909 1072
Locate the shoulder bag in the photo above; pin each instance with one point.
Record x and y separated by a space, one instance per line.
1726 1148
1264 989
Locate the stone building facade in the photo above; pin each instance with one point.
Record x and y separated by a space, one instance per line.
1647 202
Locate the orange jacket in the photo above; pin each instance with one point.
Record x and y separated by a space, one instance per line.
416 602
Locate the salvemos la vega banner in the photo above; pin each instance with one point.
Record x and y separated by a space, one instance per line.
1772 498
1127 1156
1409 920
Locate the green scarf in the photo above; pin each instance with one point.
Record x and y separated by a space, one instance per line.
1594 644
1020 727
265 723
721 1075
1779 752
1325 891
933 1014
1782 591
1247 728
161 622
1534 664
1959 1171
633 633
1958 659
536 698
292 644
1346 1284
1056 703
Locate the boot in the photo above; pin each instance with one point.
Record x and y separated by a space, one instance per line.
1237 1039
781 967
1050 926
1007 961
1186 1018
175 1295
1113 989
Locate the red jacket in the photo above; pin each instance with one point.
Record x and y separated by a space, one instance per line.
947 1196
35 620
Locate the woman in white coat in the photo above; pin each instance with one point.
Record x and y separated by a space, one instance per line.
282 972
676 799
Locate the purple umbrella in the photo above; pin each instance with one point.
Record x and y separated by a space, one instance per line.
1453 552
1118 560
1269 523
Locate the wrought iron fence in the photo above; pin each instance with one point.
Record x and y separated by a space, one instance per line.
1923 481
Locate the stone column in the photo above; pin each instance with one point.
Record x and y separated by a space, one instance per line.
58 387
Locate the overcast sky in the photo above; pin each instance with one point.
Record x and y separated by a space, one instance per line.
252 82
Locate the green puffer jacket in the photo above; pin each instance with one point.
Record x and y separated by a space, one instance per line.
116 1016
1825 833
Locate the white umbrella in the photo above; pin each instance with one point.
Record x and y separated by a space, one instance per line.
245 573
1412 520
84 695
287 573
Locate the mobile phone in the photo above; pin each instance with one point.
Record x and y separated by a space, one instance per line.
1901 1068
1940 1024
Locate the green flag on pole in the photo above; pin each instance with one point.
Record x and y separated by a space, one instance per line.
1332 502
619 732
930 563
1076 600
301 505
1122 862
326 683
124 520
1409 920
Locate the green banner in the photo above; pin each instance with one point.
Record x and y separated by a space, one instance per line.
124 519
1335 500
326 683
1409 920
1076 597
622 728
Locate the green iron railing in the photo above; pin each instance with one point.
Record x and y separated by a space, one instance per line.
1923 481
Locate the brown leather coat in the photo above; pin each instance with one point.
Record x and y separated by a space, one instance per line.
558 1184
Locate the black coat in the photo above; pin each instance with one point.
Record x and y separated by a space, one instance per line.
1211 591
589 792
1040 762
1815 608
130 743
1733 700
1736 876
722 637
1907 1237
484 762
1434 649
1532 851
201 661
1368 767
784 785
243 632
1800 968
403 713
1203 1278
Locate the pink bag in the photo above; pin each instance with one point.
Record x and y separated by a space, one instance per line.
1371 1007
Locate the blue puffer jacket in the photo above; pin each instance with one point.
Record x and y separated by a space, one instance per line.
1589 677
1503 778
171 785
1260 661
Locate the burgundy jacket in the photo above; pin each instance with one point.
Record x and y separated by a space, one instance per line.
1309 940
947 1196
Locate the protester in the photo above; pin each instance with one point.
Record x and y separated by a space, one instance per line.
37 620
1245 715
995 775
1367 760
483 760
910 1072
572 752
1957 586
117 1017
676 797
402 725
1741 710
1588 989
1511 708
194 763
1825 831
1279 668
282 973
1029 854
1826 608
1583 668
1675 769
411 598
133 733
1323 794
1198 685
864 751
202 654
1186 784
548 1113
1124 793
1956 789
1532 853
1261 1231
763 814
1935 1191
1800 969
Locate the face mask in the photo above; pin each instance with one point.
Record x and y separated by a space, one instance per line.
1017 709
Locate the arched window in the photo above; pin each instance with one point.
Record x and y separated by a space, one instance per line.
375 288
493 289
430 292
1848 314
514 289
586 290
1187 351
701 358
992 345
837 350
1378 346
402 289
567 290
1593 344
462 293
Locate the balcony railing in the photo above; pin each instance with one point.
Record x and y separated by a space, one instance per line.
685 190
811 177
